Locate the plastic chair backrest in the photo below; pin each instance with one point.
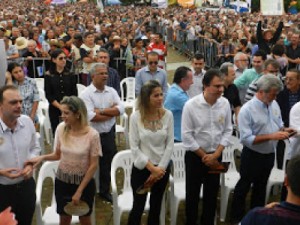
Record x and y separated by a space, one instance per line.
124 161
178 162
80 88
42 95
129 82
228 156
48 170
40 83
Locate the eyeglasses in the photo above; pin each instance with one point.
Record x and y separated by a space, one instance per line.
62 58
153 62
273 71
243 60
102 73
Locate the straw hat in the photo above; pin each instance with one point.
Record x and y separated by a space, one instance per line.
116 38
21 43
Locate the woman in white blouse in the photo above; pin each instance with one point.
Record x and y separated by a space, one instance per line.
151 141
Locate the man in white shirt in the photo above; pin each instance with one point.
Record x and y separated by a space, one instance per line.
103 106
198 64
206 129
17 145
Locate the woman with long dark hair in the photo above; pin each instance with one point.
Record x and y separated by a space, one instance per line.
59 82
27 87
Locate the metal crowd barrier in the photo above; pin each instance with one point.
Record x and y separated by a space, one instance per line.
179 40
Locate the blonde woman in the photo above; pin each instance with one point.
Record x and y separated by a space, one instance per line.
151 141
77 146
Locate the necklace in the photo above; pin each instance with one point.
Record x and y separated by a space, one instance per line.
153 124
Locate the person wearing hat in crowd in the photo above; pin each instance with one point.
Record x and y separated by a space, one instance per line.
117 53
266 39
21 44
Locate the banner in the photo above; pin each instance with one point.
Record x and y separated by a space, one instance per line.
186 3
271 7
3 63
113 2
162 4
198 3
58 2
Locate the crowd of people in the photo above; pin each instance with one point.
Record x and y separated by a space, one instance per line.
256 61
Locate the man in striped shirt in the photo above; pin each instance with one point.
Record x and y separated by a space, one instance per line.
271 66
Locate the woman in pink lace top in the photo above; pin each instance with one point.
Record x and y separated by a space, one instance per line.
77 146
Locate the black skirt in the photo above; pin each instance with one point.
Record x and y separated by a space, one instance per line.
65 191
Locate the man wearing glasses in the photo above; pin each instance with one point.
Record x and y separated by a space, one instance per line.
151 72
271 66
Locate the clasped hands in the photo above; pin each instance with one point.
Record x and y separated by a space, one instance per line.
157 173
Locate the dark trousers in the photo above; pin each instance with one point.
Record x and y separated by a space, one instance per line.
21 197
138 178
54 116
255 169
284 191
196 175
109 149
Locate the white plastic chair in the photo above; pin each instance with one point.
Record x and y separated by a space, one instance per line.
231 177
123 202
40 83
122 128
50 217
177 183
43 107
128 100
80 88
277 175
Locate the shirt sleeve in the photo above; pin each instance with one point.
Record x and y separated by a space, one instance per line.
140 159
295 117
187 129
120 104
165 160
246 135
138 82
242 80
225 140
35 148
165 85
88 103
96 148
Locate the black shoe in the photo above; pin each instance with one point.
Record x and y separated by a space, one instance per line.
106 196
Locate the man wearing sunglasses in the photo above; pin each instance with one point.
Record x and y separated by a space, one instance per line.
151 72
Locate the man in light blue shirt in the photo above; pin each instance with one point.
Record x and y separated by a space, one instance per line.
151 72
177 97
260 127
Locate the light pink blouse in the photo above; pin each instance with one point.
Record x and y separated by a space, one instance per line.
75 153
